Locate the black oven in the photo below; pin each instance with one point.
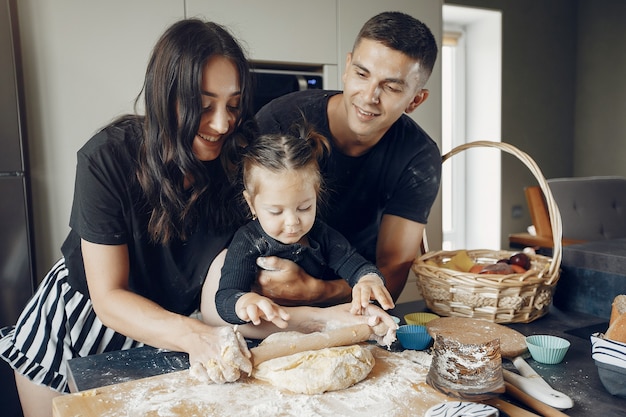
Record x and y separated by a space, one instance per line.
271 83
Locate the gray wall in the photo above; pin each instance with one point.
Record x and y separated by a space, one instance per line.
563 93
600 122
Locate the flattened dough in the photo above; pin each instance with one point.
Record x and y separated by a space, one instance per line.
317 371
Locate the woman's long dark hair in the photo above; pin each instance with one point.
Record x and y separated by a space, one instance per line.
173 108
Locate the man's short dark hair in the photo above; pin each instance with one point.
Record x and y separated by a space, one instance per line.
403 33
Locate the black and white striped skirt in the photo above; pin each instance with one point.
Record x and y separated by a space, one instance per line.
57 324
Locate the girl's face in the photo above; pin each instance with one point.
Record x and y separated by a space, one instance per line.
220 107
285 203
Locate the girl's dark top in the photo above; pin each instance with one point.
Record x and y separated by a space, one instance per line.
328 256
400 175
109 208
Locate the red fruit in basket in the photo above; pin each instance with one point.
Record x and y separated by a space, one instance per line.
499 268
518 269
504 261
520 259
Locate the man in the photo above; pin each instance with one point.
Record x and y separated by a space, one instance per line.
384 171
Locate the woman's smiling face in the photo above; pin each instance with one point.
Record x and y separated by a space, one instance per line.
221 94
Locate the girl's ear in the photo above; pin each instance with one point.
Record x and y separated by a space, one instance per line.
248 199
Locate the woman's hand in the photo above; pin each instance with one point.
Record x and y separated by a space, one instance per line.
254 307
370 287
286 283
220 353
221 356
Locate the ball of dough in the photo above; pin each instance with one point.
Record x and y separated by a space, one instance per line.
317 371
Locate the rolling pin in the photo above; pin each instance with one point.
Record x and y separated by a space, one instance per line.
313 341
533 403
510 409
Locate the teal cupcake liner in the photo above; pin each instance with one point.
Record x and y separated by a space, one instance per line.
413 336
547 349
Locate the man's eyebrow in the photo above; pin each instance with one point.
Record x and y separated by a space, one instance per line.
361 67
389 80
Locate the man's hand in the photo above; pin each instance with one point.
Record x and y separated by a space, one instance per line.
287 284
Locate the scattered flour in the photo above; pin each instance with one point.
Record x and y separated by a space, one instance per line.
395 387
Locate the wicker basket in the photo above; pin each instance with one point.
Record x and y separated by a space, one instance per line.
515 298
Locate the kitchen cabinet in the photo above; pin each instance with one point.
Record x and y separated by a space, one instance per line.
288 31
16 246
83 64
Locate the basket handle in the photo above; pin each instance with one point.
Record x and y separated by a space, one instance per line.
553 210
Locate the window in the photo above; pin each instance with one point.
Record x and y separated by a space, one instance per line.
453 88
471 89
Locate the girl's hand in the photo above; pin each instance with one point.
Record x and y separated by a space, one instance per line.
254 307
370 287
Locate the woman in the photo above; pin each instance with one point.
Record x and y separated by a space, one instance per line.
154 205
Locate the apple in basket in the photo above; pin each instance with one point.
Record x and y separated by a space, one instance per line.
520 259
499 268
517 263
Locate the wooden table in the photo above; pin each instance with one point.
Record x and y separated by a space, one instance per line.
396 385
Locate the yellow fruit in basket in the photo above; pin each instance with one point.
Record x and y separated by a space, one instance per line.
430 262
450 265
462 261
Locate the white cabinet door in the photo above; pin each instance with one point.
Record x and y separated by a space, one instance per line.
84 63
291 31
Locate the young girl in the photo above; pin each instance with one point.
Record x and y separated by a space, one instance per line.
282 185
